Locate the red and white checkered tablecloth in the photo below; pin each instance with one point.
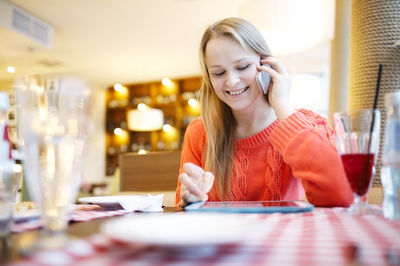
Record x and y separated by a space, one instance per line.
74 216
321 237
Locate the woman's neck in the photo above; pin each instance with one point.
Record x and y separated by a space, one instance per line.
253 120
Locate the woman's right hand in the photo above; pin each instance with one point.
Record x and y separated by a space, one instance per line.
279 90
195 184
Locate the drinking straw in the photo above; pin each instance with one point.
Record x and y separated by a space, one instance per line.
378 85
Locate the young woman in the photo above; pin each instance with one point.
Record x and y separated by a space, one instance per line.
251 146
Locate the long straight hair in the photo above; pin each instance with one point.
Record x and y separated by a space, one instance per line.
218 118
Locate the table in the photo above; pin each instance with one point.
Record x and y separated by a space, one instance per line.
23 241
322 237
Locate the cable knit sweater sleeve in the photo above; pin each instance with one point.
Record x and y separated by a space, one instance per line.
192 150
307 145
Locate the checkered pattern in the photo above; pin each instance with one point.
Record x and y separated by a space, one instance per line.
321 237
75 216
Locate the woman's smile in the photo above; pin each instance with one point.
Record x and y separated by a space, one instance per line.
237 92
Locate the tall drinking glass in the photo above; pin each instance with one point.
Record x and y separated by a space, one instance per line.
358 147
53 123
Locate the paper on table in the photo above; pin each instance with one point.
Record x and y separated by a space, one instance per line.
147 203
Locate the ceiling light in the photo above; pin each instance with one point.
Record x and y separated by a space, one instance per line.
11 69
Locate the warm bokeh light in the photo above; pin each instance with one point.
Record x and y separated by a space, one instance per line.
117 87
145 118
121 136
169 136
192 102
118 131
11 69
142 107
170 87
121 91
142 151
167 128
166 82
193 107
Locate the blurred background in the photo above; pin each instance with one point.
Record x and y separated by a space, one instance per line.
141 59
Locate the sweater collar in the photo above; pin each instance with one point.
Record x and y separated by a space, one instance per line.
257 139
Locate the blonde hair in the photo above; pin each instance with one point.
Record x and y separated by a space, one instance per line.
218 119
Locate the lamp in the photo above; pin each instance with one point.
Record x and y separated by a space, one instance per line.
291 26
149 119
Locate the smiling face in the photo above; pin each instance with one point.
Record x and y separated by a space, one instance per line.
232 72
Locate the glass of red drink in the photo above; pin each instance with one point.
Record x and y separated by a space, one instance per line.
357 142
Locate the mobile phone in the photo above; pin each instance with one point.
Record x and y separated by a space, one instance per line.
283 206
263 80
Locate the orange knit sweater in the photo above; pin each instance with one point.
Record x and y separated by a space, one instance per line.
280 162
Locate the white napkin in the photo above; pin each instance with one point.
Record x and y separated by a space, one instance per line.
147 203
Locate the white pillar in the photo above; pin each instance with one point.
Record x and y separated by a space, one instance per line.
340 50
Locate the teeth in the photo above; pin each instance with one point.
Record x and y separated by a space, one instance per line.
236 92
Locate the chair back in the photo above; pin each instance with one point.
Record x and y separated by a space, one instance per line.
154 171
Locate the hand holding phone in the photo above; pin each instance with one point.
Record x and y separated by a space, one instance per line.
263 80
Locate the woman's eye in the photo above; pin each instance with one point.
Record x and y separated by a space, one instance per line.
243 67
219 73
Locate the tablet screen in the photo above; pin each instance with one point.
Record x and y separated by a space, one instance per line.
252 206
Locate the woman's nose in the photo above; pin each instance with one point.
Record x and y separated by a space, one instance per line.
231 79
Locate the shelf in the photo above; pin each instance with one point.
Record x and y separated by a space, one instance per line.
173 101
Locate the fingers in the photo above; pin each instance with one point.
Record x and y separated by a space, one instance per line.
271 72
187 198
203 179
275 65
193 170
277 71
279 89
192 187
192 198
196 183
207 182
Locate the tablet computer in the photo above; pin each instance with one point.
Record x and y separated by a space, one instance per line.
284 206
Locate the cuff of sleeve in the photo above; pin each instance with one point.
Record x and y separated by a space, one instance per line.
287 129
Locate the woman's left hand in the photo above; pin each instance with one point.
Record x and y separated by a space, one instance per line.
195 184
279 88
